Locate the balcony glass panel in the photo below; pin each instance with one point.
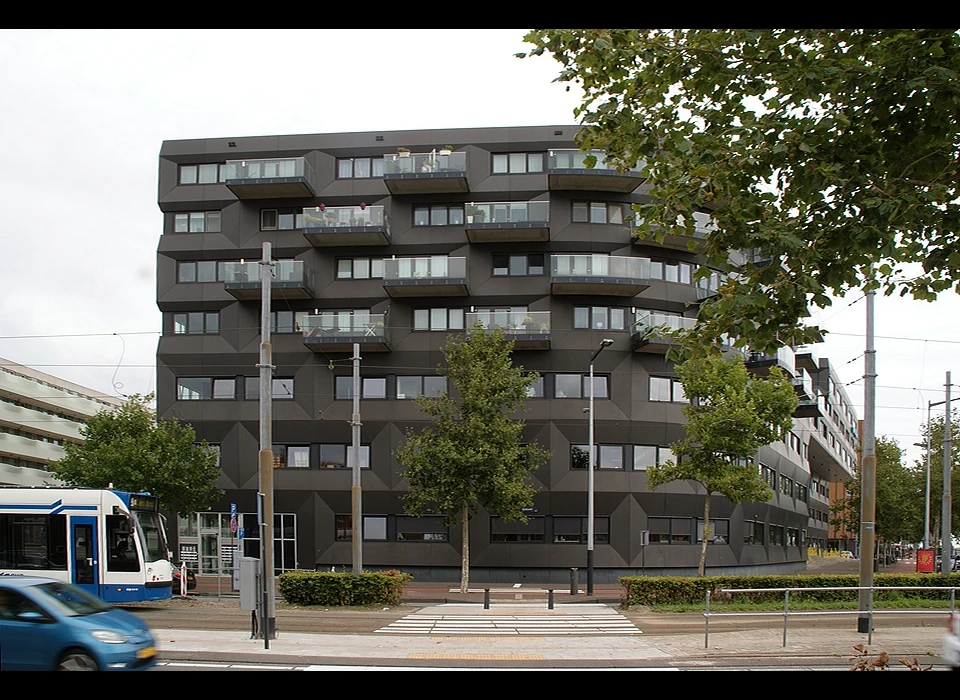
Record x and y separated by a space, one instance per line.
646 321
511 321
355 324
599 266
415 163
314 217
416 268
507 212
572 159
268 168
284 271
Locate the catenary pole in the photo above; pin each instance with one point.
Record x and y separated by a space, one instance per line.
868 475
268 625
356 511
946 546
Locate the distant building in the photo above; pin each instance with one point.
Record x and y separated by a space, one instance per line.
38 414
395 240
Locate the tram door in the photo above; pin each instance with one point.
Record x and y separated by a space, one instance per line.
85 564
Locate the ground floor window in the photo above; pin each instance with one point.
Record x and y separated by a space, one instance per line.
207 543
670 530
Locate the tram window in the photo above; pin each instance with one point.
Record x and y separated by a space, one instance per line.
33 542
121 544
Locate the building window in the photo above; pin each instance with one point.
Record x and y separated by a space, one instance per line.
612 318
282 388
598 212
438 319
752 532
197 222
535 389
777 535
645 456
786 486
374 528
670 530
291 456
438 215
577 386
429 528
338 456
281 219
672 271
205 388
359 168
515 531
196 323
412 387
287 321
370 387
517 265
200 271
206 174
769 477
359 268
666 389
574 529
510 163
608 456
720 531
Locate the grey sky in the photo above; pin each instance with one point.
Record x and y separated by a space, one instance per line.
85 113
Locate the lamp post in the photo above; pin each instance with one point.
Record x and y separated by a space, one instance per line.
926 500
590 466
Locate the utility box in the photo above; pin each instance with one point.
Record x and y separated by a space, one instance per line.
249 583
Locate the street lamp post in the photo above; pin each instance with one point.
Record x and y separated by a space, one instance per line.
590 467
926 501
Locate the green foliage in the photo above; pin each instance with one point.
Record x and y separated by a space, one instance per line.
935 430
833 154
676 590
336 589
129 448
471 455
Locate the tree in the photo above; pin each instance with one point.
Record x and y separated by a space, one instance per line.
899 497
471 456
129 448
935 430
829 156
731 415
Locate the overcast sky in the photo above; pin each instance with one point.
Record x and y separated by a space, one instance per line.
85 113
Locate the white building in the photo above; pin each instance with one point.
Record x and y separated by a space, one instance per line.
38 414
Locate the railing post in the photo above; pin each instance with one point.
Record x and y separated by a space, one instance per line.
786 614
549 599
706 622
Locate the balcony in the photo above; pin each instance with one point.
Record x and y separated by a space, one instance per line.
808 360
337 332
270 178
436 276
812 407
346 226
529 330
760 363
566 170
703 225
648 331
803 384
425 173
508 222
599 274
292 279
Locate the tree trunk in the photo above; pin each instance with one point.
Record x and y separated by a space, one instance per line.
465 562
707 531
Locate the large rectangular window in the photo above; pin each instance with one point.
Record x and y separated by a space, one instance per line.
374 528
514 531
753 532
645 456
282 388
516 163
196 323
574 529
203 388
505 265
205 174
359 168
359 268
197 222
614 318
608 456
577 386
286 219
666 389
200 271
412 387
291 456
670 530
720 531
598 212
438 215
370 387
337 456
429 528
438 319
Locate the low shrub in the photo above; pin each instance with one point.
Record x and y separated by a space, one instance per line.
337 588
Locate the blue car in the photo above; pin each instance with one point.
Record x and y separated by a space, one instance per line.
48 625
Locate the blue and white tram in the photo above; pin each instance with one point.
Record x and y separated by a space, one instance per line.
109 543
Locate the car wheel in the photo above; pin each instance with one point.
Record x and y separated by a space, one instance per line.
76 660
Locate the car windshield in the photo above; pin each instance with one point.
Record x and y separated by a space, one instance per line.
69 600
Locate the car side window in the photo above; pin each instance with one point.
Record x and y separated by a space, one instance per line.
13 604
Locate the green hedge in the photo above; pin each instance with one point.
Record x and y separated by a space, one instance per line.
647 590
332 589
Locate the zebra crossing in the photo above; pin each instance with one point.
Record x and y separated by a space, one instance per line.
463 620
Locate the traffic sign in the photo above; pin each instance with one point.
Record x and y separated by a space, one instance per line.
233 525
241 533
233 511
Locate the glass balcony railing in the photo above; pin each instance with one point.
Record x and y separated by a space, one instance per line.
331 217
513 322
572 159
424 163
344 324
507 212
803 382
600 266
268 169
647 322
435 267
284 272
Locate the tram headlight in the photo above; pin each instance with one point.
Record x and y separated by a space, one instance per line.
108 637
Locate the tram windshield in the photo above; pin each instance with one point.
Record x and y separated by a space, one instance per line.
151 533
